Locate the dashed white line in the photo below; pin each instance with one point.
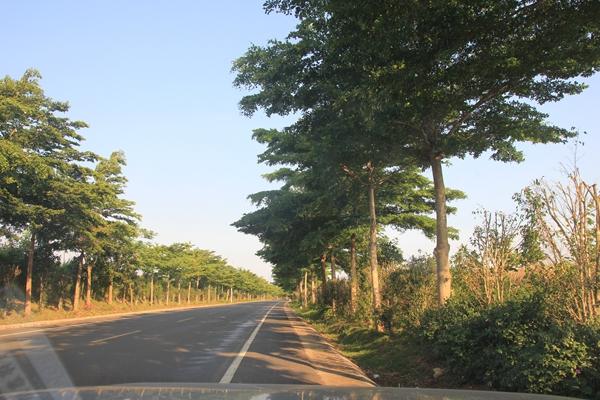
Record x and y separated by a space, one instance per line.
113 337
185 319
238 359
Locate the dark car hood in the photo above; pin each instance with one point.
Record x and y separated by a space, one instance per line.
196 391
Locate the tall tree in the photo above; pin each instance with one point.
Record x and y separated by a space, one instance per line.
117 224
329 159
39 158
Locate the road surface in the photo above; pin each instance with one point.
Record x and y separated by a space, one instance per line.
257 343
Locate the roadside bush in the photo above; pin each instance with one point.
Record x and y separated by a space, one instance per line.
340 289
409 290
514 346
589 379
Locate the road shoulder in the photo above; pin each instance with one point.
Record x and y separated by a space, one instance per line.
333 368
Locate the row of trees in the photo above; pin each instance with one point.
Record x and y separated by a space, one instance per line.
57 199
183 264
386 90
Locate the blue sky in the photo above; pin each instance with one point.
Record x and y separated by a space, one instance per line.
153 79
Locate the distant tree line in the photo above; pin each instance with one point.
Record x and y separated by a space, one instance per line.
67 233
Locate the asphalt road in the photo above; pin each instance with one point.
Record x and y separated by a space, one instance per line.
256 343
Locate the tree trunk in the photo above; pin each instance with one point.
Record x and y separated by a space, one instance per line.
179 292
189 294
109 297
77 291
305 292
231 295
373 249
333 282
442 248
130 293
88 286
28 278
353 275
168 289
313 289
333 277
208 294
324 277
373 256
151 289
41 297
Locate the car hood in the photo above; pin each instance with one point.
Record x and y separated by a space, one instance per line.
194 391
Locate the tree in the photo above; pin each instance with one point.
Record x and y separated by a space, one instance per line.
39 158
494 256
446 79
334 173
117 227
567 217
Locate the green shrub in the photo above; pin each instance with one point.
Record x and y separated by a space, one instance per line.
514 346
408 291
589 378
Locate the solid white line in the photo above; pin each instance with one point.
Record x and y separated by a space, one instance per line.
113 337
185 319
238 359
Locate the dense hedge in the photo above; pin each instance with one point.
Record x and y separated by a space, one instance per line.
516 346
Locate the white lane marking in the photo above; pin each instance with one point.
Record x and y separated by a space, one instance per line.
238 359
114 337
41 330
185 319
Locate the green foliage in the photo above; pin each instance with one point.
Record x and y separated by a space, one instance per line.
40 163
449 78
183 262
514 346
409 291
398 359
